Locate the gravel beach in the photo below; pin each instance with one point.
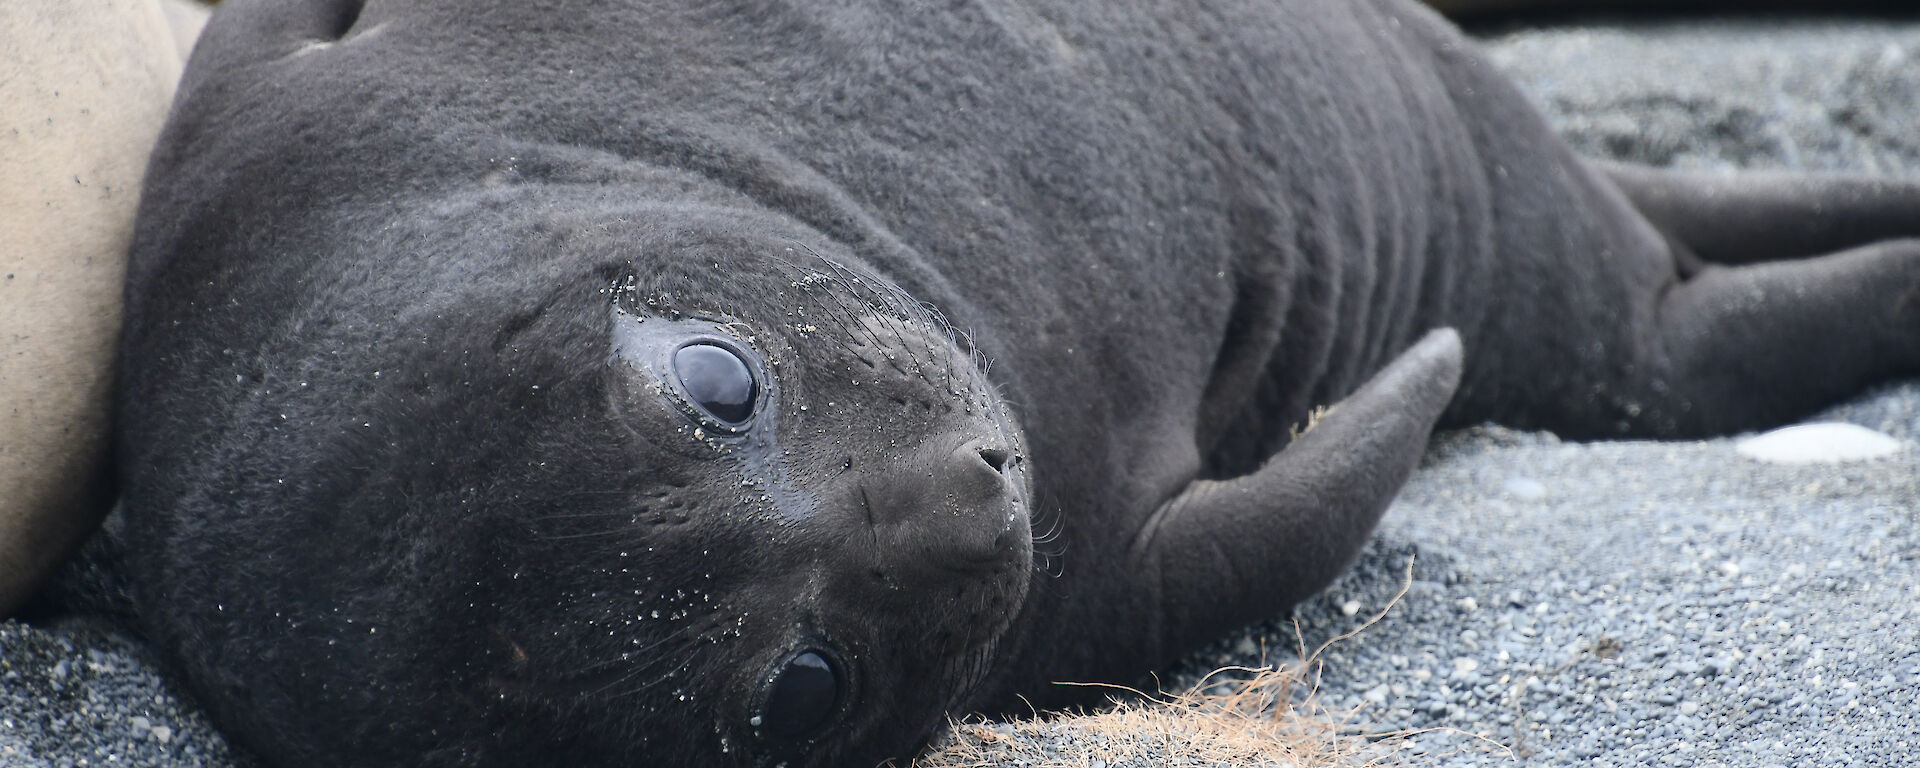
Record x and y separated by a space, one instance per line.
1608 604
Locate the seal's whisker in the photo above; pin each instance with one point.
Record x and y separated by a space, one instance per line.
947 329
692 682
840 278
609 533
835 314
906 352
1048 528
628 657
866 309
1052 562
848 319
623 685
854 320
895 302
582 515
801 281
890 302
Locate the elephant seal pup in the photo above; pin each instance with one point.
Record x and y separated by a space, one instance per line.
86 89
514 387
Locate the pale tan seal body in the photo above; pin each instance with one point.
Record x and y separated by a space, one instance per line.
86 86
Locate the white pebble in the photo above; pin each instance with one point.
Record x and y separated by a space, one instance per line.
1827 442
1525 489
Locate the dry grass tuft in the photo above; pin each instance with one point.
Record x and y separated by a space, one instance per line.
1247 721
1267 716
1313 420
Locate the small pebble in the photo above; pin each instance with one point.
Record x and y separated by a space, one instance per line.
1525 489
1830 442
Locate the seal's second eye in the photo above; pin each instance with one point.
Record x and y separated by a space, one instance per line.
717 380
804 698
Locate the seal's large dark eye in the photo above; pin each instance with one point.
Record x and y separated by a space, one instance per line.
716 379
804 697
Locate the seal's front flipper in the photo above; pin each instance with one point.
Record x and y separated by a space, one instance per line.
1225 553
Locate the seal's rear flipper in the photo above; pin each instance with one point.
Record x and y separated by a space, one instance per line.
1225 553
1753 216
1743 347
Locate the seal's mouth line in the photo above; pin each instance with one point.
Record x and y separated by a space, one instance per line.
873 526
972 565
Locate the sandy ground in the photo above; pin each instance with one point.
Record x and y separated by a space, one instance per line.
1601 604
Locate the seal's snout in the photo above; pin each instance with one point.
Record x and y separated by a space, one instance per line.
947 506
979 469
994 456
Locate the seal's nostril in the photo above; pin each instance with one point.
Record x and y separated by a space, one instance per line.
995 457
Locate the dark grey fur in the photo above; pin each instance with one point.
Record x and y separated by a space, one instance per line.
412 488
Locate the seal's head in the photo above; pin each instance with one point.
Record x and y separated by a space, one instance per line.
847 466
690 497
